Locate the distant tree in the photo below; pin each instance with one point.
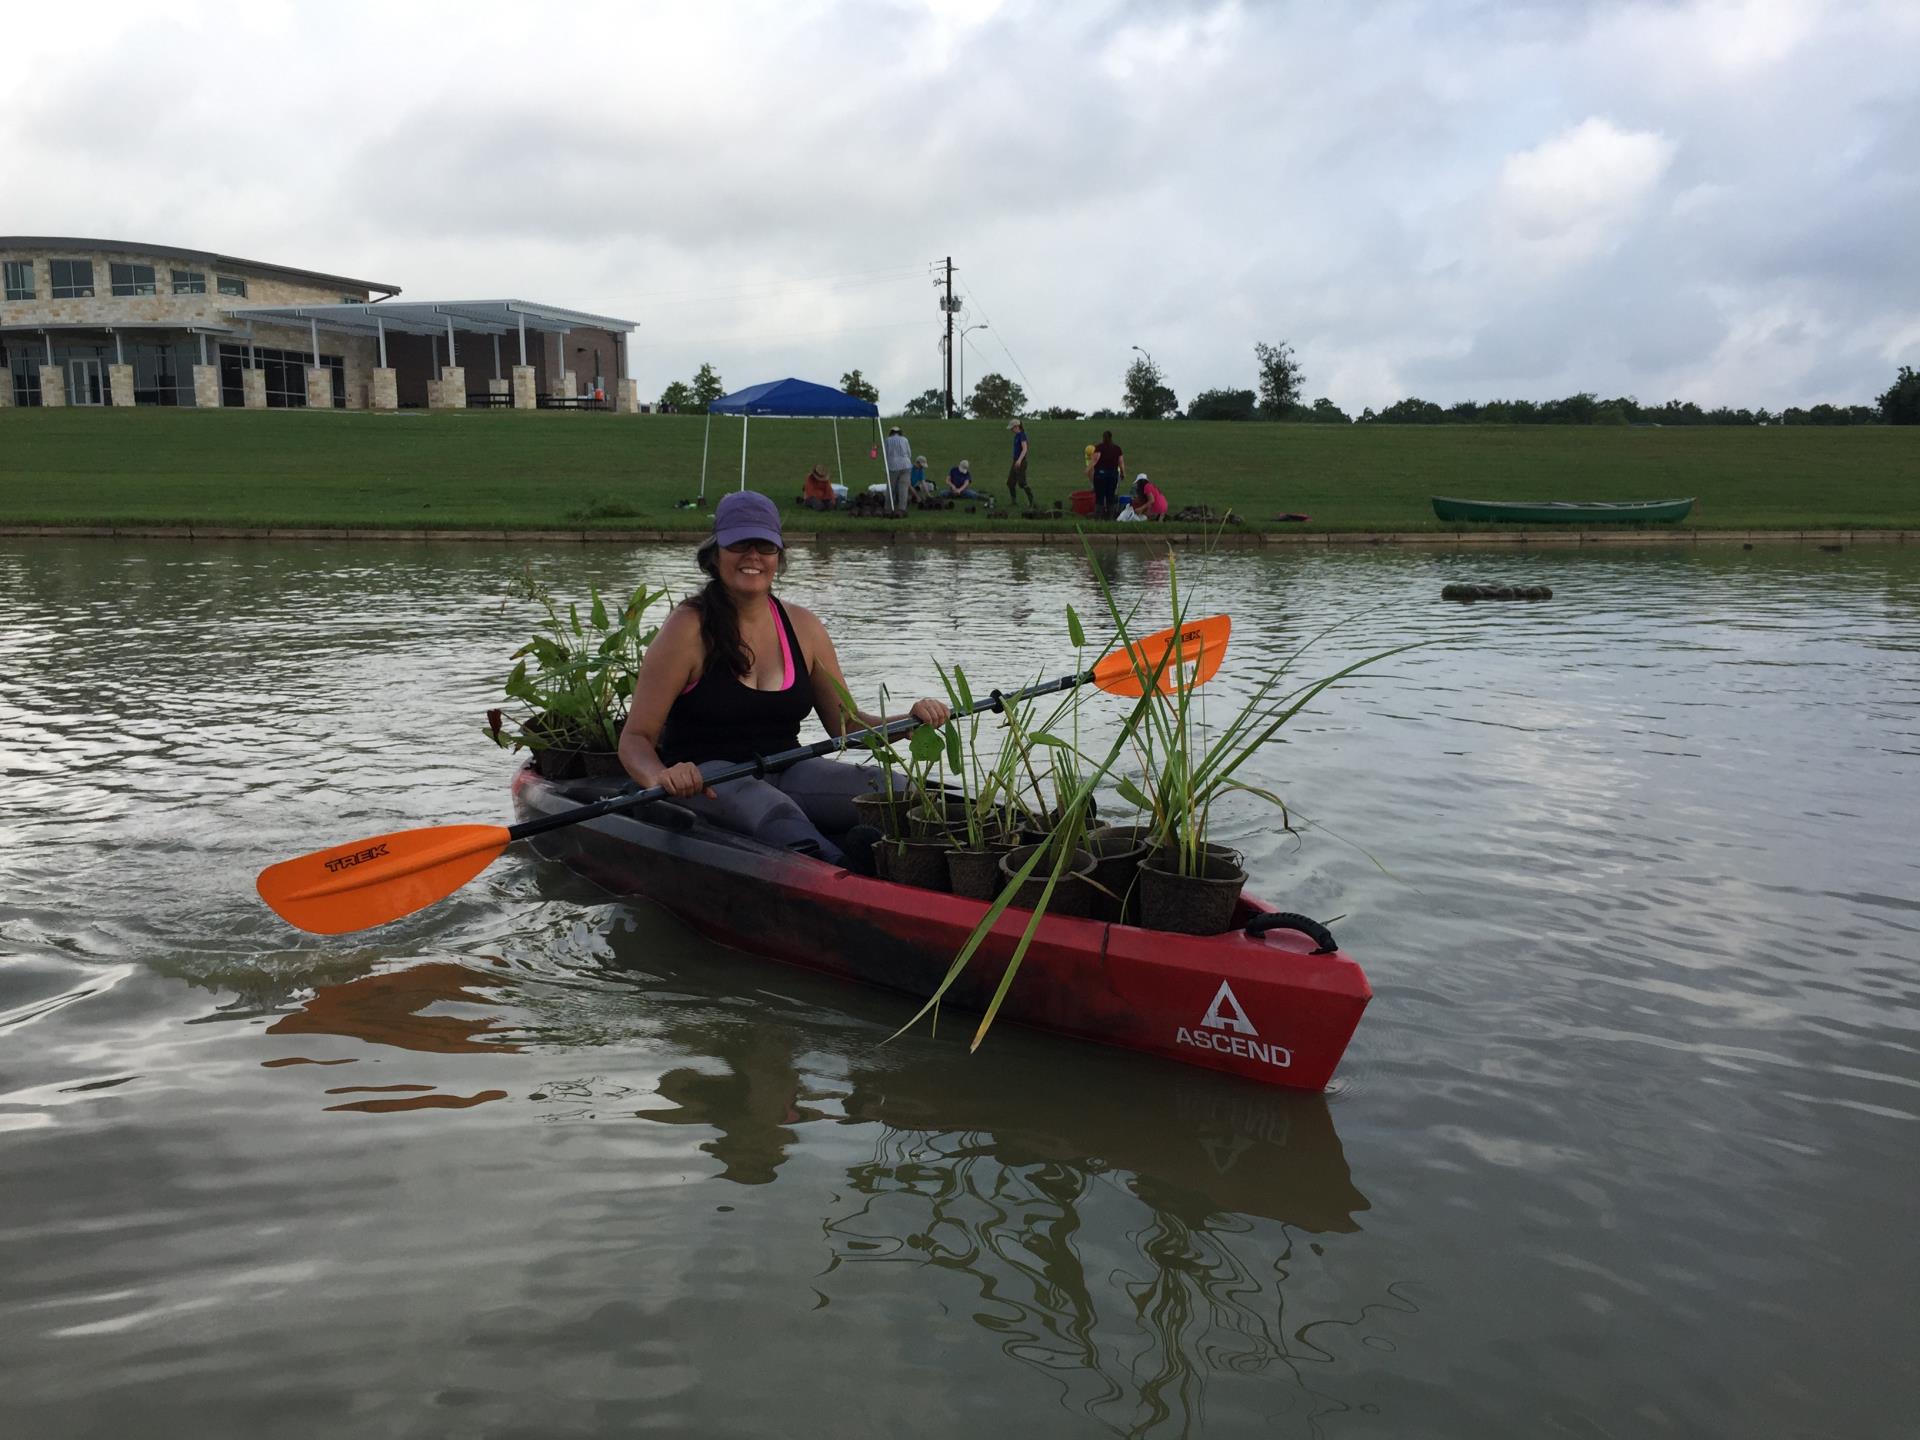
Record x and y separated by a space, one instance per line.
1901 404
1411 411
1103 413
997 398
1280 378
1059 412
1146 393
1221 405
707 386
1324 412
855 384
677 396
927 405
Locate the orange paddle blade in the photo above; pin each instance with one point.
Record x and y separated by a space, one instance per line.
1173 660
369 882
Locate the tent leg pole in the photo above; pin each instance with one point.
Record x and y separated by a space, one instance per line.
880 449
706 440
743 452
839 466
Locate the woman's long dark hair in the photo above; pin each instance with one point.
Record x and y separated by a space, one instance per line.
720 620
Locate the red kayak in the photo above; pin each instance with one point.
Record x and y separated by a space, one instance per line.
1263 1003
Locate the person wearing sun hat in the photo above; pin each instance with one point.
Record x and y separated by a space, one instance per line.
1017 472
731 676
960 485
918 485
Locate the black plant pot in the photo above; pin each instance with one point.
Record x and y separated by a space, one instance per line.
886 812
1072 896
1200 904
554 763
1117 852
976 873
952 815
914 862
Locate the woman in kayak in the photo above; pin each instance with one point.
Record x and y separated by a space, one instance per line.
730 676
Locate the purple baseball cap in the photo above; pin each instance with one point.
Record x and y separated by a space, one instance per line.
746 515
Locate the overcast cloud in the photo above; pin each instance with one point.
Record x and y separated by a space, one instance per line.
1716 201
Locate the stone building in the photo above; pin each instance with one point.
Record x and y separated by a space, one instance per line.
111 322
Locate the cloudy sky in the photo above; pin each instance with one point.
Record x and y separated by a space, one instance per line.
1449 198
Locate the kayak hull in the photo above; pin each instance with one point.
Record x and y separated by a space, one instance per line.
1563 512
1264 1008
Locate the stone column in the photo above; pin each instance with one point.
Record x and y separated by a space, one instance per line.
566 388
386 390
319 387
6 389
253 388
626 398
206 387
120 382
453 389
53 386
523 387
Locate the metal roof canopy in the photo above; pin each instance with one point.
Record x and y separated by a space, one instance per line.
421 317
107 327
441 317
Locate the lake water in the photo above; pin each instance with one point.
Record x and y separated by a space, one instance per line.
1625 1145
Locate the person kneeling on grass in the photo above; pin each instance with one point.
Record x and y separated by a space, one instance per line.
816 491
1146 502
960 485
918 485
730 677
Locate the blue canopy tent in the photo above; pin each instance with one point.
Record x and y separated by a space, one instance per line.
789 399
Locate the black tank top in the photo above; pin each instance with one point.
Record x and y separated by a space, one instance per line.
723 718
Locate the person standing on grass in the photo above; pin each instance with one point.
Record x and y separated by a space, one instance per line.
899 469
1017 472
1108 463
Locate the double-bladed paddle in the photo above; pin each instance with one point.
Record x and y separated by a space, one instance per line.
369 882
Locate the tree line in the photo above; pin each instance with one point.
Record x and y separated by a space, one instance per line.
1278 388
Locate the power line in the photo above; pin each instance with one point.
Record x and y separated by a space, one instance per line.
1000 340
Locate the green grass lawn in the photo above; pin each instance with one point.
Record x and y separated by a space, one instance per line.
554 470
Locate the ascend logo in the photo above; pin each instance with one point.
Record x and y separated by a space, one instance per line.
359 857
1227 1014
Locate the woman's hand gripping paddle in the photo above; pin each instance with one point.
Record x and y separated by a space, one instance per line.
384 877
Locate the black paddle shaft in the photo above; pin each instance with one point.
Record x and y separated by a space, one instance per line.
767 764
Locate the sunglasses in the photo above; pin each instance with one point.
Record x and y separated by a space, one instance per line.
758 547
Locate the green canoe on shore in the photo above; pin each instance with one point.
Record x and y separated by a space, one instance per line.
1563 512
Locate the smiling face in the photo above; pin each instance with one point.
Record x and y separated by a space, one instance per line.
747 569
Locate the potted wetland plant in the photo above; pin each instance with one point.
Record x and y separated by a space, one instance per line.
1187 884
983 828
572 681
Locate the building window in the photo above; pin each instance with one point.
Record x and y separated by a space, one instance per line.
19 280
189 282
72 279
132 279
284 373
229 285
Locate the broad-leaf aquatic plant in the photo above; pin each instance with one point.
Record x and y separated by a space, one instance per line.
573 680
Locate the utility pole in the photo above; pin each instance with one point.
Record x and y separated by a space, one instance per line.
948 306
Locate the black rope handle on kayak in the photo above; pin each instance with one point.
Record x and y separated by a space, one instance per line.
1287 920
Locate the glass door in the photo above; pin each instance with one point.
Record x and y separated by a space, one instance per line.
83 383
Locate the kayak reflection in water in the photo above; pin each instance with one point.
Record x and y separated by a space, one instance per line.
730 677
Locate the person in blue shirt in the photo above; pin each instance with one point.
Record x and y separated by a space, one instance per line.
918 485
960 485
1017 472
